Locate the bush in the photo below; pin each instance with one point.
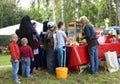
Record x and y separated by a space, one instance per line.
4 41
4 50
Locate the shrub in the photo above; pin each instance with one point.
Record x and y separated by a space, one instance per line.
4 40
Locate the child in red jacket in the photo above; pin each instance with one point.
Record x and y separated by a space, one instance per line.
15 56
27 54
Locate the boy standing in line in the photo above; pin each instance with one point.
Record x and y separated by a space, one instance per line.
61 49
26 55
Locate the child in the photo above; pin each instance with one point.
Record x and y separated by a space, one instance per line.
27 54
61 50
37 61
15 56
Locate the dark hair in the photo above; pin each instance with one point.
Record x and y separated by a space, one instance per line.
17 32
60 24
45 28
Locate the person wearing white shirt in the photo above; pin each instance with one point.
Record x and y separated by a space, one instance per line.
61 49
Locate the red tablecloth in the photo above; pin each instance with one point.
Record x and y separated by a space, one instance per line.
78 55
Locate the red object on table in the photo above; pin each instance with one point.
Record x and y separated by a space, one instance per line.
108 38
78 55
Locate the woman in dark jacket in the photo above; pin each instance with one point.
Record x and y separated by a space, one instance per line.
90 36
26 30
42 39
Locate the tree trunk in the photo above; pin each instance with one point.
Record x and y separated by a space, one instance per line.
110 12
117 2
38 2
2 16
63 12
54 10
118 10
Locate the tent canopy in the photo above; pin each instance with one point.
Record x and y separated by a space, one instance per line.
11 29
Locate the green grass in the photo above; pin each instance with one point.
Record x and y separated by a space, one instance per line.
43 77
4 59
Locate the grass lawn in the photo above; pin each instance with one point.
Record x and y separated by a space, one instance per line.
4 59
43 77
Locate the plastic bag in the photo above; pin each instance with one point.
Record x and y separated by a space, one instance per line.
112 62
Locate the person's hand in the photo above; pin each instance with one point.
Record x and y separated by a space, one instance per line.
32 59
16 60
42 46
44 33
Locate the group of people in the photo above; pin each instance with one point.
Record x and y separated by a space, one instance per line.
30 50
55 46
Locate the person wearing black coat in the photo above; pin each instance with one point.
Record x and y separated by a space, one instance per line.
26 30
42 39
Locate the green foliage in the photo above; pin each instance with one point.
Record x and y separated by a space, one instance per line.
69 11
89 9
34 14
4 40
58 11
95 10
9 12
103 12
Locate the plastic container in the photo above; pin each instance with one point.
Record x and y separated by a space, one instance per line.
61 72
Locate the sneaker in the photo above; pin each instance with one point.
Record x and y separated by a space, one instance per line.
30 76
18 79
17 82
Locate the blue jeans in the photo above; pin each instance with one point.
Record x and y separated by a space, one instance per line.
25 62
61 54
93 56
15 67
